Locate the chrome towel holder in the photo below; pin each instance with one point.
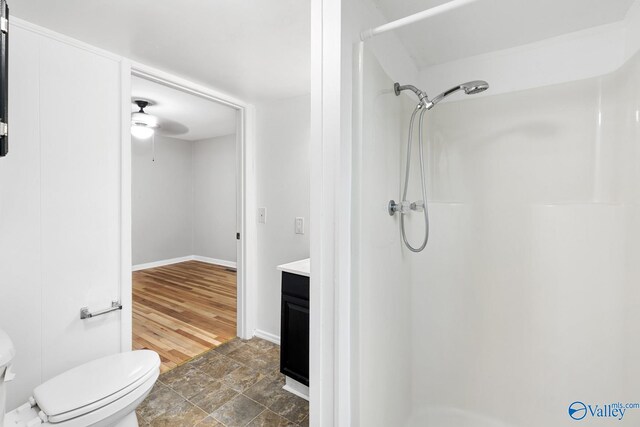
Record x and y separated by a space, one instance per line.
86 314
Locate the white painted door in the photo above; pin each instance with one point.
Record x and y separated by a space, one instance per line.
59 207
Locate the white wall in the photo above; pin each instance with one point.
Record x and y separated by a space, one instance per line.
59 207
162 199
214 198
184 202
282 173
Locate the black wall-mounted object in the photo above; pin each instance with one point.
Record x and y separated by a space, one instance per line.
4 78
294 342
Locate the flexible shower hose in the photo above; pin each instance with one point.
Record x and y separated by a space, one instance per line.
422 110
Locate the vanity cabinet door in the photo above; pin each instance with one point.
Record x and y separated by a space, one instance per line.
294 356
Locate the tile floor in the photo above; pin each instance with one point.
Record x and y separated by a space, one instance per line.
236 384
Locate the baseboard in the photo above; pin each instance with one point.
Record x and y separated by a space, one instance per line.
224 263
221 262
267 336
297 388
161 263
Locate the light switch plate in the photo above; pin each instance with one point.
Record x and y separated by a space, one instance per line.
262 215
299 225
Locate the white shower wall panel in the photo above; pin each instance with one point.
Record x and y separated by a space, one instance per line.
526 298
384 293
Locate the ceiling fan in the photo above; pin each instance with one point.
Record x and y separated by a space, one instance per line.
143 125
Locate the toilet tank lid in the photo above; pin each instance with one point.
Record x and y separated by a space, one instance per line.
7 350
94 381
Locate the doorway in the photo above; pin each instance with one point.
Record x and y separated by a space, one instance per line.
188 285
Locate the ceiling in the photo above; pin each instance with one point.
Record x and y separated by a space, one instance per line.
490 25
256 49
253 49
182 115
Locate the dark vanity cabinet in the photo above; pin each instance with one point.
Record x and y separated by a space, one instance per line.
294 345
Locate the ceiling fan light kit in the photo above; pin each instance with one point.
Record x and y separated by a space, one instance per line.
143 125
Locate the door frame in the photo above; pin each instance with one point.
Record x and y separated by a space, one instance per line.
245 195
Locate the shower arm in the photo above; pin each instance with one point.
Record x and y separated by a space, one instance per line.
424 100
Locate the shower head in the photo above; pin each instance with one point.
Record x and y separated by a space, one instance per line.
470 88
476 86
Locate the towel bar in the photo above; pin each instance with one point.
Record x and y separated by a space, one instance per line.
85 314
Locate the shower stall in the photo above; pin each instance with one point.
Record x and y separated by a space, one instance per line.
523 309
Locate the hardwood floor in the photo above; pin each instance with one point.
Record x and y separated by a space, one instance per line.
182 310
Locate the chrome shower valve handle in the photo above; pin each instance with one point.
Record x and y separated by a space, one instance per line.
402 207
392 207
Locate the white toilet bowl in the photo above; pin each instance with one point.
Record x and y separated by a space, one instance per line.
102 393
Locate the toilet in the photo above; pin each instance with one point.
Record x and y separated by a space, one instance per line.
102 393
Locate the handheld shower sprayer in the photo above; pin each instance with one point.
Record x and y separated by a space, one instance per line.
469 88
424 104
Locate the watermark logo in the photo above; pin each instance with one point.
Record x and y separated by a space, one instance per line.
579 410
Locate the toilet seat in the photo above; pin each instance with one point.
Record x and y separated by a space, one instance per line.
96 384
96 394
122 394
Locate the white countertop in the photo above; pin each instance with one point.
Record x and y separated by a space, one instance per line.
302 267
